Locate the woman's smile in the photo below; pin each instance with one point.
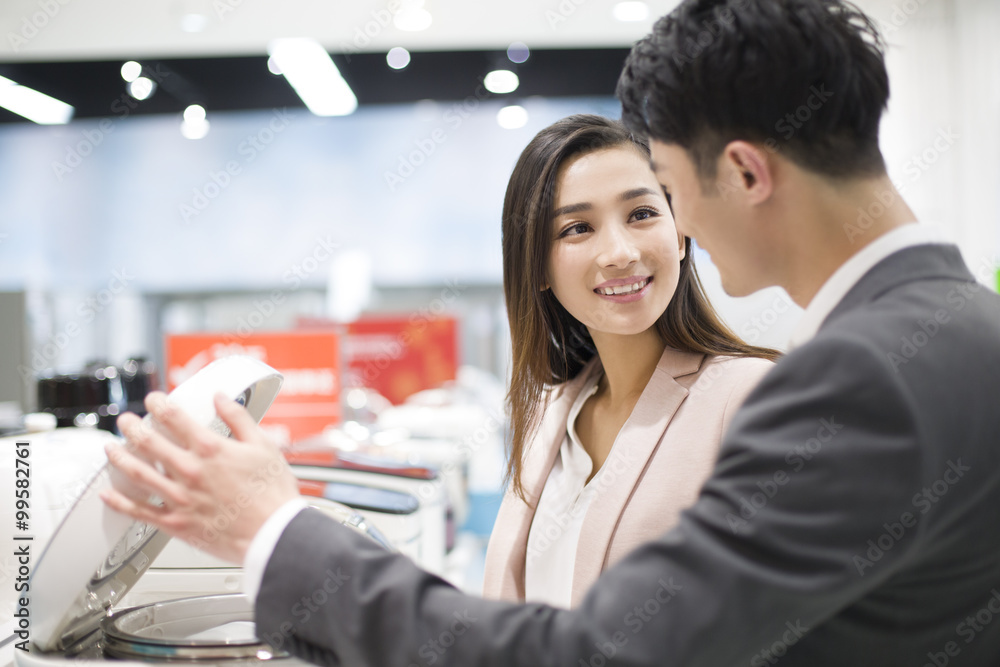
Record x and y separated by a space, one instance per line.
624 290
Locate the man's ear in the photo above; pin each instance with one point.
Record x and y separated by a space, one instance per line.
748 168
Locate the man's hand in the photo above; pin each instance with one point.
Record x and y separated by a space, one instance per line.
217 492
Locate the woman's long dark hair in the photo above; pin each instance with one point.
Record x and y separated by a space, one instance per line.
549 345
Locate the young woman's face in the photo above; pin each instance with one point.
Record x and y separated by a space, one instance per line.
612 231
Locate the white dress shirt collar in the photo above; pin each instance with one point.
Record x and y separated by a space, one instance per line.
554 536
851 271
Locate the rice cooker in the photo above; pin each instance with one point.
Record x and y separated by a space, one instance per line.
96 555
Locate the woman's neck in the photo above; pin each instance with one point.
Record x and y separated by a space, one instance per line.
629 362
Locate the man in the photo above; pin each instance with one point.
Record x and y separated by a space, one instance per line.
852 517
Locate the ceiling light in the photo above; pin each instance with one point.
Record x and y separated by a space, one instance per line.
194 113
412 19
141 88
194 130
398 57
631 11
33 105
194 125
131 71
501 81
512 117
518 52
314 76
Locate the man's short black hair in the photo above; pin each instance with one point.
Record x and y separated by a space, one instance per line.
806 78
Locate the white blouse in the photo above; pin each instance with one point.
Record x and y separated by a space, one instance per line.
555 529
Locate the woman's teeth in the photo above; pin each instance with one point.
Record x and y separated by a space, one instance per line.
625 289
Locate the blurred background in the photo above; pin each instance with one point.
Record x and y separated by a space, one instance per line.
181 192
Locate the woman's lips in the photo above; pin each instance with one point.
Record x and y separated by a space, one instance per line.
631 295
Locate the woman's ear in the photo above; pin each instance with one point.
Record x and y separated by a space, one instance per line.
681 245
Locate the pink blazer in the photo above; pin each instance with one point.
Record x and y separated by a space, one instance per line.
658 470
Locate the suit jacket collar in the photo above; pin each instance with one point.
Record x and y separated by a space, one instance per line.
626 462
925 262
539 458
647 423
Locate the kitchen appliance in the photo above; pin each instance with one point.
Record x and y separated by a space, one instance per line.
93 397
432 505
396 514
96 555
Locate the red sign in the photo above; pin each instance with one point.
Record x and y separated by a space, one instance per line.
398 355
309 400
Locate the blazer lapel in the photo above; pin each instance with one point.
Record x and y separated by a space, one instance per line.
628 458
515 517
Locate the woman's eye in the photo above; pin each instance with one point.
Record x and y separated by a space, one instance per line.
644 214
574 230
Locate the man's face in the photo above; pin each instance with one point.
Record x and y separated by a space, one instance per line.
717 219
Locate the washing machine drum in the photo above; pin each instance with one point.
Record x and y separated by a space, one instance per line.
211 628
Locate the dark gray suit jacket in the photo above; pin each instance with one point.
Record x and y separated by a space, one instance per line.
853 519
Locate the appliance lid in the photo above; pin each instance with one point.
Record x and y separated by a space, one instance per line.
96 554
361 497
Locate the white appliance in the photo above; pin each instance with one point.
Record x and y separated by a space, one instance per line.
394 513
96 555
430 493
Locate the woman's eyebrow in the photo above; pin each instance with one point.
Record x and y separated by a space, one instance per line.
586 206
571 208
635 192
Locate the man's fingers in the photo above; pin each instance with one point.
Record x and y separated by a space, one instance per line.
160 517
179 427
236 417
143 512
146 476
153 446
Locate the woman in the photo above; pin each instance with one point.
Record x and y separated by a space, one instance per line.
624 379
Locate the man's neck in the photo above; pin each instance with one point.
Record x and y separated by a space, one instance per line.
842 219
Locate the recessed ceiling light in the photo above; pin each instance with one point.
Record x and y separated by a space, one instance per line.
512 117
631 11
398 57
194 113
141 88
194 125
501 81
131 71
518 52
196 130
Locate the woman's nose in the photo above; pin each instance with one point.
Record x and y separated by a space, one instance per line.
618 249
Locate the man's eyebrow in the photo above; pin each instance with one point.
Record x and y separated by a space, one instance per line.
572 208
